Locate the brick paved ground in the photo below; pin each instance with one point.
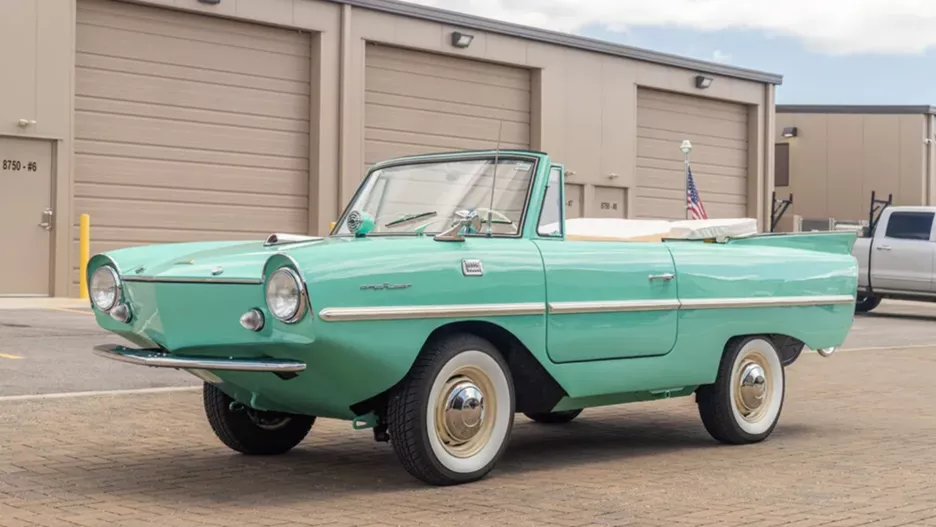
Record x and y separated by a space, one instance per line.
855 446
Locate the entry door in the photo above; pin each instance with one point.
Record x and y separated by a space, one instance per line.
609 300
25 215
903 257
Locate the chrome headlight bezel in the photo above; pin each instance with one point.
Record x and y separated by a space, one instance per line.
301 305
107 269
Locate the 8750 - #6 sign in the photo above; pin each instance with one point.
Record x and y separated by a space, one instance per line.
10 164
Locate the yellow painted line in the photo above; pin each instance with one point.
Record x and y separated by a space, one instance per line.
66 310
8 356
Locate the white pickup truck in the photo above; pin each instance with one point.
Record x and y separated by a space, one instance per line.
896 260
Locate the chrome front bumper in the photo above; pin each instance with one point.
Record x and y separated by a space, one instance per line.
160 359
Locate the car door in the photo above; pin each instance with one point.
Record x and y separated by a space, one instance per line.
902 257
605 300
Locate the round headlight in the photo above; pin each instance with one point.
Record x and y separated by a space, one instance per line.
284 295
104 288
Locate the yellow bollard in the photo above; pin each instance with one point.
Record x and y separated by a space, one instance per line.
84 253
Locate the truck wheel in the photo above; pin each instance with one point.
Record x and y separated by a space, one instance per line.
250 431
865 303
451 417
554 417
744 404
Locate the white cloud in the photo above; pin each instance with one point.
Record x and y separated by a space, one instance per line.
832 26
720 56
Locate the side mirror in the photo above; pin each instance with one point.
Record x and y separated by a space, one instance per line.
467 218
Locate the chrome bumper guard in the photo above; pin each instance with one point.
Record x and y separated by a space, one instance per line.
161 359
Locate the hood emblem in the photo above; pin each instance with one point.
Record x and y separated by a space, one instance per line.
378 287
216 271
185 262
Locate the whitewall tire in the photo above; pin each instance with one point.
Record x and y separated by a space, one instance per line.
744 403
450 419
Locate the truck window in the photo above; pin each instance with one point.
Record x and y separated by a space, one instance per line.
910 225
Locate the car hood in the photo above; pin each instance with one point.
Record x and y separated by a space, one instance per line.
221 261
227 261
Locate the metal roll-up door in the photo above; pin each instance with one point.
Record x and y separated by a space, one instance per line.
188 127
418 102
719 134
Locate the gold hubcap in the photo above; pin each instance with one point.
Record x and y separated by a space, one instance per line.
752 389
465 412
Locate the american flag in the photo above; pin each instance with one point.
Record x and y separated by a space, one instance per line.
693 201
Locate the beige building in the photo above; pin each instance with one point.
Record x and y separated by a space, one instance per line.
179 120
831 158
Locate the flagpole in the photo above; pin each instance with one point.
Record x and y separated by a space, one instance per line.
686 148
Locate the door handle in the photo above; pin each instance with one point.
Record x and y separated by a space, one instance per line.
883 247
47 216
665 277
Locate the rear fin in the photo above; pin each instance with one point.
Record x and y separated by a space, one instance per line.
833 242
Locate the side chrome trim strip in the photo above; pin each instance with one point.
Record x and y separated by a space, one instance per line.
343 314
157 359
775 301
195 280
560 308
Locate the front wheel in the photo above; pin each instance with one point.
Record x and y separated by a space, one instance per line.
743 405
866 302
250 431
450 419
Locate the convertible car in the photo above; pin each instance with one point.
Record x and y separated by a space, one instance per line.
453 294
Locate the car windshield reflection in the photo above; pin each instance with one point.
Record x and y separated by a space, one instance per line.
429 197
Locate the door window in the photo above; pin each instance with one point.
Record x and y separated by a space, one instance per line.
550 221
910 225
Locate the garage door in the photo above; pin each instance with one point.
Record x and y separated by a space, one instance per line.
719 134
188 127
419 102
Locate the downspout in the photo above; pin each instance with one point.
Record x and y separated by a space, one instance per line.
768 167
928 174
344 60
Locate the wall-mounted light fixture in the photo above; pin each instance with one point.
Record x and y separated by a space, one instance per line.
702 82
209 1
461 40
790 131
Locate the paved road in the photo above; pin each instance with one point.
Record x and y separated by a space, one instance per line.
856 445
49 351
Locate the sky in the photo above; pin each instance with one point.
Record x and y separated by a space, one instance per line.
828 51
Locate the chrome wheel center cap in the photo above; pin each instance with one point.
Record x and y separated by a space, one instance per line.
464 411
753 387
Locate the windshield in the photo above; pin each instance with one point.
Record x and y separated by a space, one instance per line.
430 197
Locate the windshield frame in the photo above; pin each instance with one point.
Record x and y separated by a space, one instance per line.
442 158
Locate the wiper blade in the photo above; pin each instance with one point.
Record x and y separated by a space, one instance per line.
410 217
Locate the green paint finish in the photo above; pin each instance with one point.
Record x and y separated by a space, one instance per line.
597 358
572 403
608 272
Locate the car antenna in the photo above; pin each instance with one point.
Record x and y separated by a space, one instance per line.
500 127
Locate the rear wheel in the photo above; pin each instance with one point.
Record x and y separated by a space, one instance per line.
554 417
450 419
250 431
744 404
866 302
